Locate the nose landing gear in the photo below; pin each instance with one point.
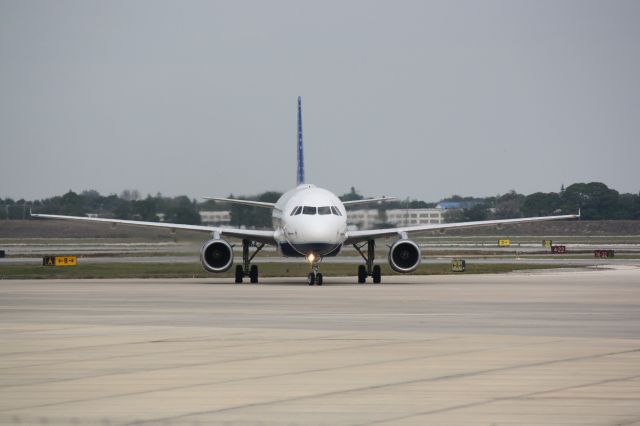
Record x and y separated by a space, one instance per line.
314 276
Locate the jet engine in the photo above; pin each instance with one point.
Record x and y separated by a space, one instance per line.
216 255
404 256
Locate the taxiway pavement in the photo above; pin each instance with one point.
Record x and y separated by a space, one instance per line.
520 348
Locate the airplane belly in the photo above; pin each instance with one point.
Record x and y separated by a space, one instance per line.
321 249
304 249
296 245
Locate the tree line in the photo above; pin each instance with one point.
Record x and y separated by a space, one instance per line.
595 200
128 205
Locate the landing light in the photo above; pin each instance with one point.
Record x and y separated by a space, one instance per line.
311 258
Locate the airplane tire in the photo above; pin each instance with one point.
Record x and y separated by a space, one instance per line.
239 274
377 274
311 279
362 274
253 274
319 279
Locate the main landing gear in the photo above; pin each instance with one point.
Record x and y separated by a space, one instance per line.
248 270
314 276
368 269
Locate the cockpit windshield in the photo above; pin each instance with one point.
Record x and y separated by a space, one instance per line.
308 210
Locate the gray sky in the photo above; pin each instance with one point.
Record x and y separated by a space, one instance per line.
419 99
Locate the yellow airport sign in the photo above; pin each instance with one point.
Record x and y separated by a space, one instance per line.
547 243
66 261
504 243
458 265
60 261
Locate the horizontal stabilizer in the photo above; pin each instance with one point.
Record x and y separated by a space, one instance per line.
368 200
243 202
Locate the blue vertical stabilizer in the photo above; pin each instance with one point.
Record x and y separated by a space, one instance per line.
300 174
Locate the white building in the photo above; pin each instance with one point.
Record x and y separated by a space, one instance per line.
218 217
367 219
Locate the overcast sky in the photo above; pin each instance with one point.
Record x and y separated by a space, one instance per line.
404 98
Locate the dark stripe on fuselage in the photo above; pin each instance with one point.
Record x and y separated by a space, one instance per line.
302 250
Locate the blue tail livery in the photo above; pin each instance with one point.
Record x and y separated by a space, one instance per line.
300 149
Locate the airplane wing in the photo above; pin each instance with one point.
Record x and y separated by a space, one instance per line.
243 202
368 200
359 236
254 235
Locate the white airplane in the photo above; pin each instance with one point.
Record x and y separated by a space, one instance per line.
309 222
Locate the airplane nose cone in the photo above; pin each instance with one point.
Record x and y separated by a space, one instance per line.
319 237
319 232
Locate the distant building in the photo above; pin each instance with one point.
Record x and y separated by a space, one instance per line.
219 218
367 219
360 219
408 217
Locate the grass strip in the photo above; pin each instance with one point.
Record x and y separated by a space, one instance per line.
194 270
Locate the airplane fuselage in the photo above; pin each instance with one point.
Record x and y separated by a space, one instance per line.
309 221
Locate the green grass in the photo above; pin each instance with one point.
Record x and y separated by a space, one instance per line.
194 270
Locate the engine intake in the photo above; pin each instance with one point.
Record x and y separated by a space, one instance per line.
404 256
216 255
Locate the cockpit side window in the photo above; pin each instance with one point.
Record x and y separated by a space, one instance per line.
324 210
295 209
298 210
308 210
335 211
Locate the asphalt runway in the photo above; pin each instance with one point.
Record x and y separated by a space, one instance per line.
538 348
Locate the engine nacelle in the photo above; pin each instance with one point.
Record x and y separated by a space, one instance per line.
404 256
216 255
